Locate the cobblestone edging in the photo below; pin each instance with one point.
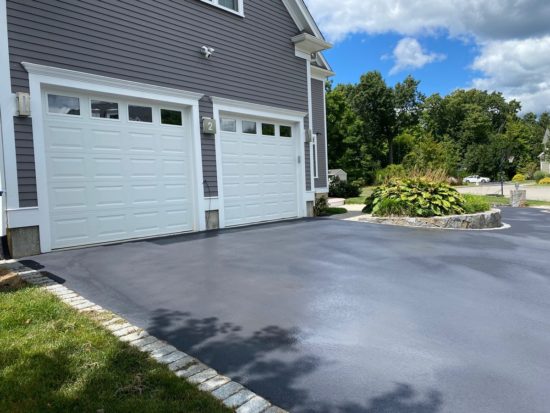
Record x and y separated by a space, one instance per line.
230 393
485 220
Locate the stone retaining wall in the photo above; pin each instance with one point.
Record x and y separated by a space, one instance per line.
484 220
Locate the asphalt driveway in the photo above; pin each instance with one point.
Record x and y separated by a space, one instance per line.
336 316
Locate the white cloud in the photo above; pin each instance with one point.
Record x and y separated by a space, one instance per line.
408 54
484 19
512 35
518 68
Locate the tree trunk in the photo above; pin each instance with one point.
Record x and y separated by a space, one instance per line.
390 151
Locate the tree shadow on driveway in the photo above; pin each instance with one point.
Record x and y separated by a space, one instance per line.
270 362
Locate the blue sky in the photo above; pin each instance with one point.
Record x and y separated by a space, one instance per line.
499 45
360 53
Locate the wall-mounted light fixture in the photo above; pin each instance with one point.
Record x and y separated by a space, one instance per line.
23 104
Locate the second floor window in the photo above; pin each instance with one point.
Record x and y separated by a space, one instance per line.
235 6
230 4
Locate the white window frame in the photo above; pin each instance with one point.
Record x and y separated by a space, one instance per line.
240 5
315 157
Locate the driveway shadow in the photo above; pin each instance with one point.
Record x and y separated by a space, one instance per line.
270 362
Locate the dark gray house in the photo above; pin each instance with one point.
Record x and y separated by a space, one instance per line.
129 119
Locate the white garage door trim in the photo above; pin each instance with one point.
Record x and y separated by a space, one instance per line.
245 109
41 77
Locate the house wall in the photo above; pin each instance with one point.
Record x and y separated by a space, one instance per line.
319 127
158 42
545 166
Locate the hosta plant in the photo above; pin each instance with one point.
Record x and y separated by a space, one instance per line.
415 197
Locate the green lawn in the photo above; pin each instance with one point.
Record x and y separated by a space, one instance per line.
503 201
360 200
53 359
336 211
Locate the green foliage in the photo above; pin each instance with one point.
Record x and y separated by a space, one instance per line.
431 154
545 181
321 207
537 176
518 178
415 197
343 189
336 211
390 172
475 203
373 125
529 169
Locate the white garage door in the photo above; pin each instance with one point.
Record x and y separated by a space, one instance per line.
116 169
260 174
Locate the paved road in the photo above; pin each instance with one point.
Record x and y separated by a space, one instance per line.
336 316
534 192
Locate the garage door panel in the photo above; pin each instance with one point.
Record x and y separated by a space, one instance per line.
115 180
109 226
174 219
142 142
69 198
106 196
65 138
67 167
105 168
70 230
102 141
173 145
143 195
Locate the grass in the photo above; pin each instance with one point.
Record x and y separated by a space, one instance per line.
475 204
504 201
336 211
53 359
360 200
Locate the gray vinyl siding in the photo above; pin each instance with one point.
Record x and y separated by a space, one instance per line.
319 127
208 147
158 42
24 152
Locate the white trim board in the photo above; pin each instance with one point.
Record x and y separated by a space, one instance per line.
320 73
8 160
257 110
42 76
90 82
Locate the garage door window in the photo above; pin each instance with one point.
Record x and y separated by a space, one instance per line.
104 109
140 114
64 105
171 117
268 129
285 131
249 127
229 125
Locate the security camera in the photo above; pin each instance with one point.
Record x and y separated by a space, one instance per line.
207 52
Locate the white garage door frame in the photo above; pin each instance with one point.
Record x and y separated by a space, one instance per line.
41 77
239 108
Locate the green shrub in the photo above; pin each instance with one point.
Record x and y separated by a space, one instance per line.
519 178
321 207
343 189
545 181
537 176
390 172
475 203
415 197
